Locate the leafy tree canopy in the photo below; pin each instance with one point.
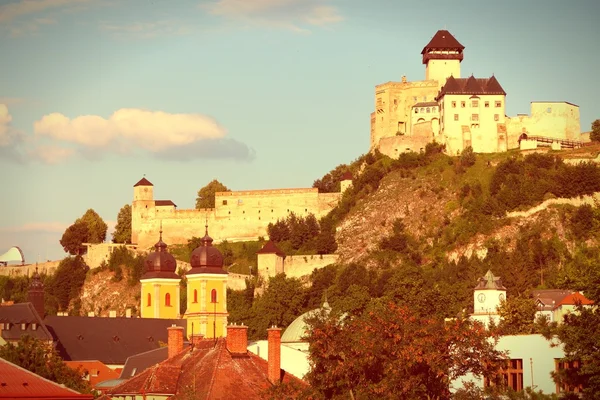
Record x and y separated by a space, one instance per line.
73 238
206 195
96 226
36 356
595 134
122 233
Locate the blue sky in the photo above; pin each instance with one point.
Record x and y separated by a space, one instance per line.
256 93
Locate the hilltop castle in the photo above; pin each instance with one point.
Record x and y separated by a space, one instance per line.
459 112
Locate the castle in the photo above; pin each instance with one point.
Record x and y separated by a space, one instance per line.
461 112
237 215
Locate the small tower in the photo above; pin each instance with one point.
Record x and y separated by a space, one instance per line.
270 260
142 207
35 293
346 181
442 57
206 311
160 284
487 297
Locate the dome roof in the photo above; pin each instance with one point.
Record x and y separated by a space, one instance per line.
36 281
206 259
160 264
296 331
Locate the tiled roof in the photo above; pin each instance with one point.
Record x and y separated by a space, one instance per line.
109 340
347 176
97 371
489 281
574 299
426 104
159 203
471 85
271 248
209 371
143 182
17 382
550 297
19 313
140 362
443 40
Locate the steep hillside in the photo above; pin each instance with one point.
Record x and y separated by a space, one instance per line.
101 294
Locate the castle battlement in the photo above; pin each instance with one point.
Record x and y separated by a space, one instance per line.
266 192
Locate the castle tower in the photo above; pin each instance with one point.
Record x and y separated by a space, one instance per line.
487 297
442 57
35 293
270 260
160 284
142 207
206 312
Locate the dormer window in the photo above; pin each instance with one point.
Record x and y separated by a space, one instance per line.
23 326
33 326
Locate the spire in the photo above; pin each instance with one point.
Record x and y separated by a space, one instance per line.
206 240
160 245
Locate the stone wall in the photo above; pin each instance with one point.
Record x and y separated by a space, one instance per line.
299 266
47 268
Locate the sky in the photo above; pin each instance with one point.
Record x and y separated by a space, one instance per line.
259 94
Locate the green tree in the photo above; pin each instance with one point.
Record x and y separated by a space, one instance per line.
467 157
96 226
40 358
595 133
206 195
73 238
517 316
122 233
67 282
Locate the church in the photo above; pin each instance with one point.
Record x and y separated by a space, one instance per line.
462 112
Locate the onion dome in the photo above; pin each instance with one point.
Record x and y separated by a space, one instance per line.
36 281
160 264
206 259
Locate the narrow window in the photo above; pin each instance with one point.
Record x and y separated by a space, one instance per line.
416 110
428 109
453 104
496 117
475 117
463 104
213 296
487 104
195 296
168 300
498 104
456 117
433 109
149 300
224 202
422 110
475 103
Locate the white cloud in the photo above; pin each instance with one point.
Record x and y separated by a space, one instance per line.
288 14
149 130
50 227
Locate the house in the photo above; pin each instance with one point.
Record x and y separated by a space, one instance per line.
556 303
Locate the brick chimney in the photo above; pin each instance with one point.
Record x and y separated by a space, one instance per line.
175 340
237 339
274 367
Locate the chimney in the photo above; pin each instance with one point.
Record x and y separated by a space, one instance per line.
112 314
128 313
196 339
237 339
175 340
274 367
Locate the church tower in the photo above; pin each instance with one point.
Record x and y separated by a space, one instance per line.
487 297
442 57
35 293
160 284
206 312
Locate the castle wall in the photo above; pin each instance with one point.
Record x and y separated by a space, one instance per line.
46 268
395 145
299 266
99 252
559 120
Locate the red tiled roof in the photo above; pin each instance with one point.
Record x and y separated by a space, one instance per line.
443 40
18 383
346 176
271 248
575 298
471 85
210 371
97 371
164 203
143 182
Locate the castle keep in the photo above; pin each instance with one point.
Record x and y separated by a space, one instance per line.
237 216
459 112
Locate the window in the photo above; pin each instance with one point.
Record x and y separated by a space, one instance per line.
195 296
433 109
428 109
224 202
395 102
560 366
475 117
240 202
511 375
548 110
486 104
496 117
23 326
95 372
213 296
475 103
416 110
453 104
463 104
456 117
168 299
498 104
149 300
422 110
33 326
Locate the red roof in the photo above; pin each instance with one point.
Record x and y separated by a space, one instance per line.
97 371
271 248
471 85
164 203
348 175
211 369
18 383
143 182
575 298
443 40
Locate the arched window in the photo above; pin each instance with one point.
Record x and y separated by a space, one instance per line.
168 299
195 296
149 301
213 296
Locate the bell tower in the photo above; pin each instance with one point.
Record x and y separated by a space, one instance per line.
488 295
442 57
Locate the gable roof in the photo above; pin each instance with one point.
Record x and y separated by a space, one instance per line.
471 85
19 313
346 176
271 248
140 362
443 40
143 182
575 298
109 340
210 369
97 371
17 382
489 281
550 297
